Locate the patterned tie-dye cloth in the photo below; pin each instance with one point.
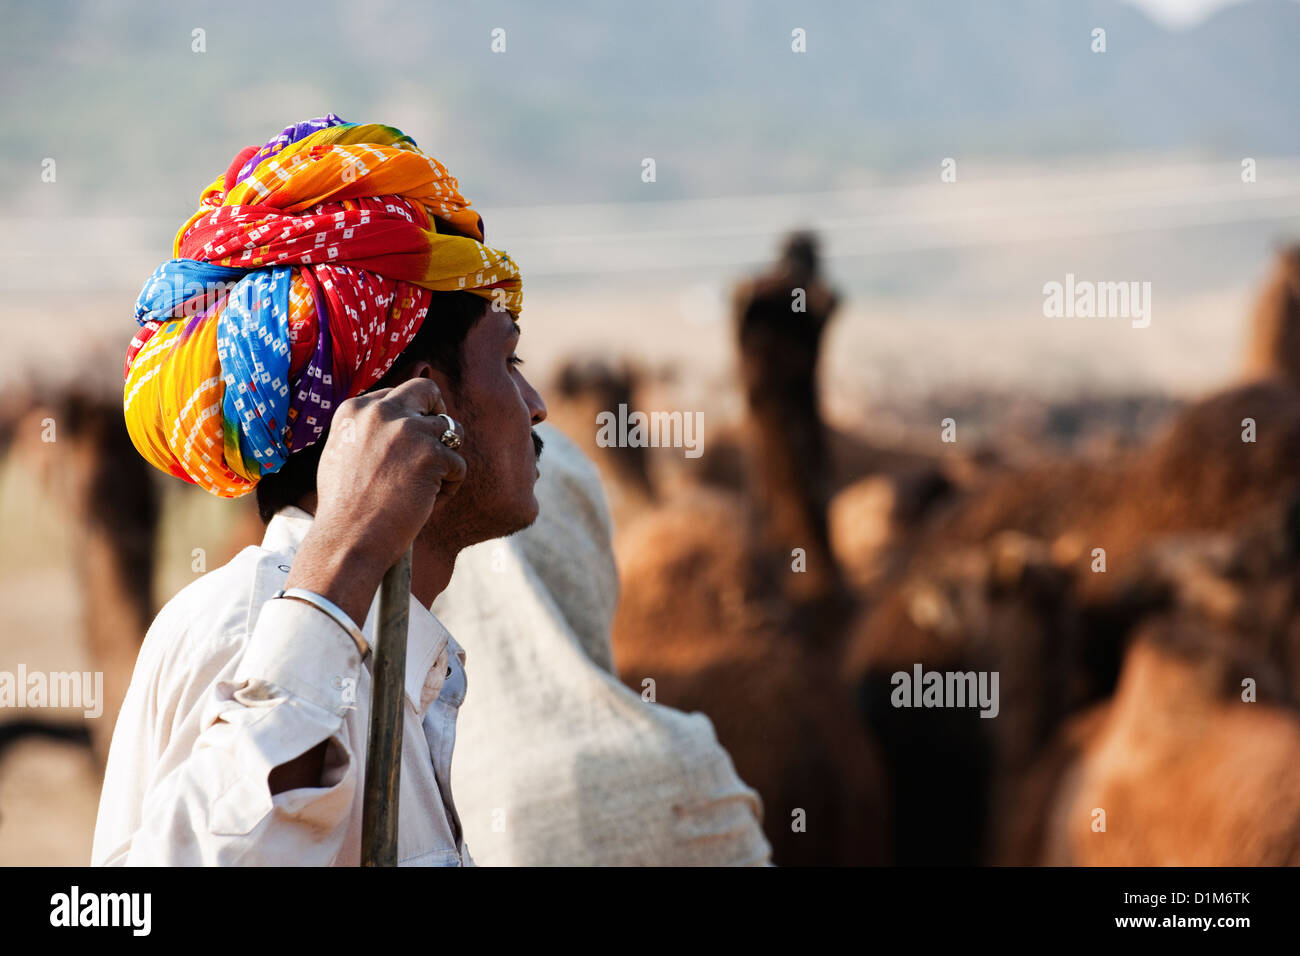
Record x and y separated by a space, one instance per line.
305 272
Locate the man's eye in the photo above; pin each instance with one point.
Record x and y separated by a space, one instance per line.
514 360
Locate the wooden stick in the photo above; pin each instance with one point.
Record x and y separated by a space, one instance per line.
387 690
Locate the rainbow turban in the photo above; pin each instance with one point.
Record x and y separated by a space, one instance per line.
307 269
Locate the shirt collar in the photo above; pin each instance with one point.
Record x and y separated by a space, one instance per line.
428 644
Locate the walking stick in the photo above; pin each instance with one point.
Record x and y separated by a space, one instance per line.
387 688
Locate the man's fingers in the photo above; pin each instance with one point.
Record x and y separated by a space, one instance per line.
452 466
455 467
420 395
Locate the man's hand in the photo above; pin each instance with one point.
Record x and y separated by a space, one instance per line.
380 474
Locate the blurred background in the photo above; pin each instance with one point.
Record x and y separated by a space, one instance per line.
942 162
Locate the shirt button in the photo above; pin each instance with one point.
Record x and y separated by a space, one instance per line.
448 670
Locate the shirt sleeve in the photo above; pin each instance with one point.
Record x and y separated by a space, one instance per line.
291 689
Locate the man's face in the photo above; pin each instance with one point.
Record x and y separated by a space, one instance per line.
496 408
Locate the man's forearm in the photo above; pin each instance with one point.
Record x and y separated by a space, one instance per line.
334 565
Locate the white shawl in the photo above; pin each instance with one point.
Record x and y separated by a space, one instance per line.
556 761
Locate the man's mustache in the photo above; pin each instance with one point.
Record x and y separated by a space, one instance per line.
537 445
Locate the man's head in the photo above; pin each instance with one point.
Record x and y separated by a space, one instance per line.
470 351
301 274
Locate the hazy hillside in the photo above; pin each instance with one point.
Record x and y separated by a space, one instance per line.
136 120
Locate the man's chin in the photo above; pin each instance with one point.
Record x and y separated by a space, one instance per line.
521 519
499 522
532 512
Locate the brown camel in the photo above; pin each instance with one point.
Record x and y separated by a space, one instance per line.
1228 613
696 620
1185 772
1059 644
1274 348
781 317
722 613
112 498
582 390
1224 466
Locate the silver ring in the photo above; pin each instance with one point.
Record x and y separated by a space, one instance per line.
451 438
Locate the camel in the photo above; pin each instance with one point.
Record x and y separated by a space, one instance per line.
1185 772
114 499
1063 634
1199 475
1223 608
716 615
581 390
1060 635
904 482
696 620
1005 606
1274 349
781 316
111 496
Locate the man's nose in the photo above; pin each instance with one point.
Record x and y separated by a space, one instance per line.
536 407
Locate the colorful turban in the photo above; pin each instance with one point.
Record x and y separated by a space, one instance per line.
307 269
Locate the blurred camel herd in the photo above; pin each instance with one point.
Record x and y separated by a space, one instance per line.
1140 607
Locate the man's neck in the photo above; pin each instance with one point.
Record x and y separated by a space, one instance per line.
431 569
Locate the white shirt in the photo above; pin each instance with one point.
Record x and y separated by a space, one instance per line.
230 684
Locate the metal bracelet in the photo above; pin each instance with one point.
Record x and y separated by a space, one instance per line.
328 607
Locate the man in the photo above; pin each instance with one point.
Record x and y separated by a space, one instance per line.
311 340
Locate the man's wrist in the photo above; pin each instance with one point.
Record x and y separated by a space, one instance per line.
338 570
330 610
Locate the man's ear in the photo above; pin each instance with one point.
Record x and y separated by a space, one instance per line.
425 369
